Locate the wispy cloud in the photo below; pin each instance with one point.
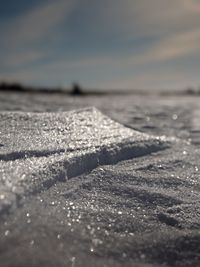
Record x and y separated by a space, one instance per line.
134 19
168 49
38 22
23 58
193 5
23 34
109 39
176 46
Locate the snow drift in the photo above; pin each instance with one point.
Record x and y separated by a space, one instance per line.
37 150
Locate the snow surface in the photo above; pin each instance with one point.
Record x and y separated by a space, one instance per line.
58 146
133 196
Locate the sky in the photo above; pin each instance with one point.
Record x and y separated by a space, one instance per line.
108 44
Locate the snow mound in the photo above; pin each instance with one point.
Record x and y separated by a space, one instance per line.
39 149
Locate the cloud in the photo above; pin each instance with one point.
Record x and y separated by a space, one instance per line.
176 46
193 5
167 49
23 58
22 36
133 19
107 38
38 22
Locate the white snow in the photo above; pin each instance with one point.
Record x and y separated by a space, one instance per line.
142 211
39 149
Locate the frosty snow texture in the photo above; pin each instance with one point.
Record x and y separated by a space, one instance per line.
37 150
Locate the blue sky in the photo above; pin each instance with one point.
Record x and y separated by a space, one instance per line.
111 44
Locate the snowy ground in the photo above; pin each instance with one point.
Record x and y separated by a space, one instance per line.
78 189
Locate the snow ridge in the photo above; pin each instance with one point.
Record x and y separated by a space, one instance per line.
38 150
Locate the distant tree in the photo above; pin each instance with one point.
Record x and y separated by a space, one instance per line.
76 89
190 91
11 86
